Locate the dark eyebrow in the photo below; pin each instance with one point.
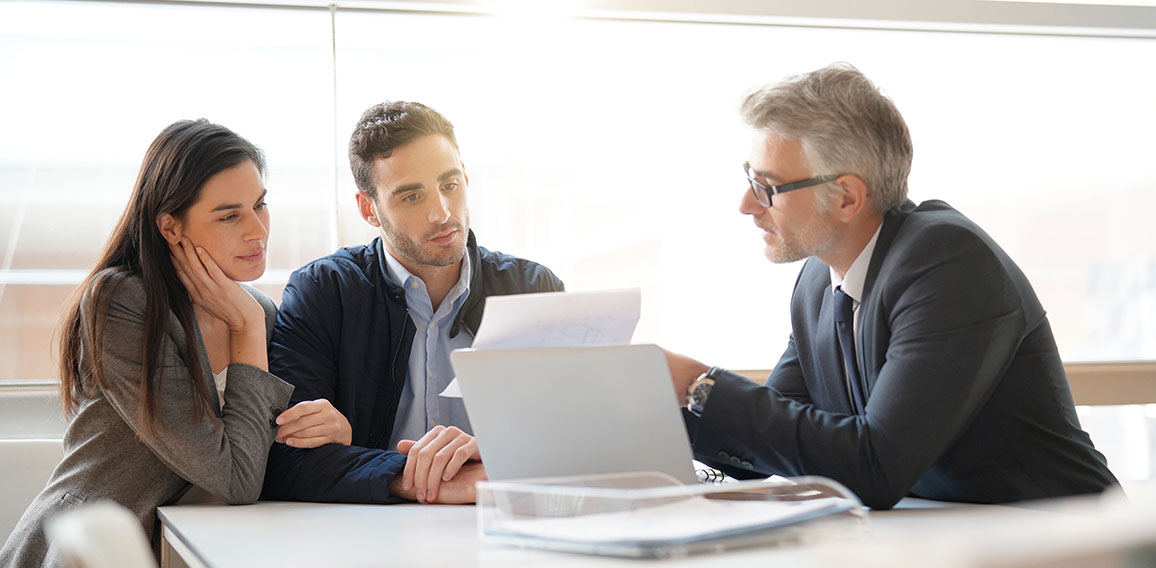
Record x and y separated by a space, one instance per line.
228 206
406 188
416 186
450 173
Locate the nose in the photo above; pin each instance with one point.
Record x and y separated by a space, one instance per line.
748 205
439 211
256 228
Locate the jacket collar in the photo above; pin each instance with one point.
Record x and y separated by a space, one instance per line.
891 224
376 257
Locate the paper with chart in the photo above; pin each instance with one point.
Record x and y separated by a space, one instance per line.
557 319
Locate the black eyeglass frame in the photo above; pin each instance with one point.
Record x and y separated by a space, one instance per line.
763 192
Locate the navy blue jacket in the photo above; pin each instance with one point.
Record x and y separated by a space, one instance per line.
966 394
343 333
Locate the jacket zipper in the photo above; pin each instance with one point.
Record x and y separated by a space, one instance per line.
396 384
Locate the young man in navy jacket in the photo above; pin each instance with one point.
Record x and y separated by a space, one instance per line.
365 333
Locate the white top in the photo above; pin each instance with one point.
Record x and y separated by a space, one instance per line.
219 379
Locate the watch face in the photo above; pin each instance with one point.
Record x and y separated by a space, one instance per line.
699 394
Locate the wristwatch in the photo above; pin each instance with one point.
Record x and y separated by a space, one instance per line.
699 390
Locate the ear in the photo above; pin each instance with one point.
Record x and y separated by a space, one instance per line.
367 209
465 175
852 197
170 228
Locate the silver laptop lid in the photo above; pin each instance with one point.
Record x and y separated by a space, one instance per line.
560 411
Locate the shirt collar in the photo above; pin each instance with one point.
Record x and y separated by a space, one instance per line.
856 277
400 275
395 270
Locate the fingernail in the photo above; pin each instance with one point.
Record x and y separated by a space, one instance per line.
421 495
290 443
445 477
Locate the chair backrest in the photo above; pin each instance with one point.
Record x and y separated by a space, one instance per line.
100 535
27 465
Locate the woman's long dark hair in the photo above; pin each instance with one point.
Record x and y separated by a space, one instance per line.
177 165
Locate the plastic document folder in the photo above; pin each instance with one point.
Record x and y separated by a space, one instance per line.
651 515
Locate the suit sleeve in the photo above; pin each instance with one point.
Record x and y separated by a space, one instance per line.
787 377
955 325
224 455
305 352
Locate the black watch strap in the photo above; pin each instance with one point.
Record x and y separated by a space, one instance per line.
699 391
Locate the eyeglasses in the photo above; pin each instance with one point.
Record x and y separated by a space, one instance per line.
763 192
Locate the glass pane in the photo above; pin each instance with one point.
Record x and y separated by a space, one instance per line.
608 150
82 102
611 151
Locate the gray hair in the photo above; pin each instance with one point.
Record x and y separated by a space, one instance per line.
846 126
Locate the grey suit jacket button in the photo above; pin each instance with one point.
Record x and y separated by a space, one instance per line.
723 455
274 412
747 464
735 460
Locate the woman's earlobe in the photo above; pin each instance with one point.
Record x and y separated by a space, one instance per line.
170 229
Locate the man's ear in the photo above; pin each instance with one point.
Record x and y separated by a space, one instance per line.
367 209
170 228
852 200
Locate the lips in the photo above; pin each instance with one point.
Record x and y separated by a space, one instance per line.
444 237
770 236
253 256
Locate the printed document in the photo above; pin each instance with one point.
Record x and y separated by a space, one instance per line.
557 319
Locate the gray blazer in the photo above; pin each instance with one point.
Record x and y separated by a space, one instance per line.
105 458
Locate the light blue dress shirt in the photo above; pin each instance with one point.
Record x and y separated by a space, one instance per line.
429 369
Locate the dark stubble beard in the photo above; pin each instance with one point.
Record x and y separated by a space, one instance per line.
413 251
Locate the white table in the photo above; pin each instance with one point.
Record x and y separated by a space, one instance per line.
286 534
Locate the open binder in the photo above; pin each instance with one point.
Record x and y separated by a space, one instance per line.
651 515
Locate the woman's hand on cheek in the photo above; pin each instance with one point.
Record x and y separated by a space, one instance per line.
213 291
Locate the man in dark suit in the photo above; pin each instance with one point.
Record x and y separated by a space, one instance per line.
920 360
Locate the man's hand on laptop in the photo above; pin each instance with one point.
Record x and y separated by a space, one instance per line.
441 467
313 423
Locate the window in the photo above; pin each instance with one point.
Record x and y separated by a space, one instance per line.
609 150
81 104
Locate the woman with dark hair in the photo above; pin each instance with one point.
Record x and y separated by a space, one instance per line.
163 361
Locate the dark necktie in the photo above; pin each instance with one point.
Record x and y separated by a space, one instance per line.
845 331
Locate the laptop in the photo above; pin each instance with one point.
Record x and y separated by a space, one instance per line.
563 411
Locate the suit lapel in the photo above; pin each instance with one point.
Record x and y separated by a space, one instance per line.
868 365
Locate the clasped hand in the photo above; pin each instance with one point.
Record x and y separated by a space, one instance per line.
441 467
313 423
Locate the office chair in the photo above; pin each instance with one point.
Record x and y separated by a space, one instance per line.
100 535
